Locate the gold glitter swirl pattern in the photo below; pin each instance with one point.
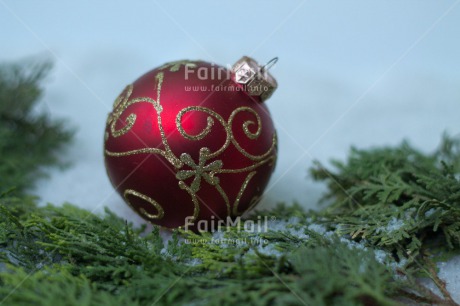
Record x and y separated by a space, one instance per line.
203 171
175 66
207 130
270 160
228 129
247 123
122 103
196 204
248 133
225 197
123 98
131 119
138 151
240 193
160 211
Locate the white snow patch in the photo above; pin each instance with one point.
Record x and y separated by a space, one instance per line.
318 228
448 271
392 226
299 233
397 265
380 256
352 244
293 220
430 212
277 225
269 250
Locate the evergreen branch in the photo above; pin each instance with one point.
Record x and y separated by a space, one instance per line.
28 141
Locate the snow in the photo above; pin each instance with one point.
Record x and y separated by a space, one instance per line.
320 229
353 244
430 212
380 255
299 233
277 225
394 225
268 250
449 272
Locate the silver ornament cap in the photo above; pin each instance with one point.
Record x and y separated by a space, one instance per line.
254 78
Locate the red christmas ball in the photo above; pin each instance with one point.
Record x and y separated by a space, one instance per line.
189 139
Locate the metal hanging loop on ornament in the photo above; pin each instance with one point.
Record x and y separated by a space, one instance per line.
268 65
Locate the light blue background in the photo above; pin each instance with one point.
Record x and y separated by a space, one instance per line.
358 73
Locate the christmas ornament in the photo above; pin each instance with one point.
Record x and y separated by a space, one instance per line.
192 141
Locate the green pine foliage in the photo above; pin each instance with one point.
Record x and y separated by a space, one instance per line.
102 260
393 213
28 141
397 198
